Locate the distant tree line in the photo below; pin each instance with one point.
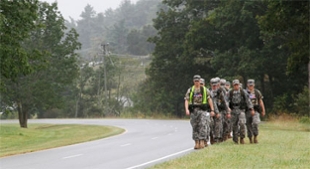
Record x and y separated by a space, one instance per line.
126 28
264 40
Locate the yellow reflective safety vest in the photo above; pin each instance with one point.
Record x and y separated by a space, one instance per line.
203 91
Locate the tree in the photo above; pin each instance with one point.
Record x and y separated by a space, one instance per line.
17 20
44 88
85 26
288 22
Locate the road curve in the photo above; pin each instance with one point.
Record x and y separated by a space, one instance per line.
145 143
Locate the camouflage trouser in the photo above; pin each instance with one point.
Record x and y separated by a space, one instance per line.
227 127
252 123
208 126
217 127
199 122
238 119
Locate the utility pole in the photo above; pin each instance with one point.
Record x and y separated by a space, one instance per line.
99 74
104 46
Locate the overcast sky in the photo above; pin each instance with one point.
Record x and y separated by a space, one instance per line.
74 8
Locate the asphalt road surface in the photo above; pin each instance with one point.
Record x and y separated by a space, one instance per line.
144 144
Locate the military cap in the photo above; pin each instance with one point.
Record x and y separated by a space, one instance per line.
251 82
202 81
236 81
227 83
223 82
197 77
214 81
218 79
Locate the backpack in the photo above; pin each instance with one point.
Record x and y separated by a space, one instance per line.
257 94
243 105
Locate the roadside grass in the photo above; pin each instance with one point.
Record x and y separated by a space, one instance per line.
282 144
16 140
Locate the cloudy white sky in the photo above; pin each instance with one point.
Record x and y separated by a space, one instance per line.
74 8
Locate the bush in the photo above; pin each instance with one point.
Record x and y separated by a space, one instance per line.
301 103
305 120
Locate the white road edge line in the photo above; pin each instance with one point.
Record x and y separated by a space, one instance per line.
72 156
160 158
125 144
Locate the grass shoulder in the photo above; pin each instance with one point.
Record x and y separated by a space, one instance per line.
282 144
16 140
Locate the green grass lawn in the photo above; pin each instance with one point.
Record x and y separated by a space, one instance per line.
16 140
281 145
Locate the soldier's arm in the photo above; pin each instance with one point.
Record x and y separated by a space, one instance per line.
225 102
186 107
212 106
186 98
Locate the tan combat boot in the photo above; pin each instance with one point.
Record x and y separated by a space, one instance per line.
196 144
201 144
212 141
206 143
251 141
241 141
225 138
229 136
255 139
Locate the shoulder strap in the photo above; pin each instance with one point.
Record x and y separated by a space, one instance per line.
257 94
191 91
203 91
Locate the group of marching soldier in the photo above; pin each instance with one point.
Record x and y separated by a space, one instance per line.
218 111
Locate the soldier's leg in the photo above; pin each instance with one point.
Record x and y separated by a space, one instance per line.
208 121
234 122
218 127
256 121
212 130
202 125
242 122
194 124
229 128
202 136
249 120
225 128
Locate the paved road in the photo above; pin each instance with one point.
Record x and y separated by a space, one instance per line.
145 143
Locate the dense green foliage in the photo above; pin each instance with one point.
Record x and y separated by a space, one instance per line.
54 66
264 40
15 26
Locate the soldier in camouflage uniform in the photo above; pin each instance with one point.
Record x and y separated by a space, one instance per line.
227 86
253 119
226 118
238 103
219 98
196 100
228 122
208 118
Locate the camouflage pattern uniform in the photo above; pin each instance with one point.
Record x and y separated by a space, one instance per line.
238 103
220 104
227 126
253 121
208 117
198 118
226 120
